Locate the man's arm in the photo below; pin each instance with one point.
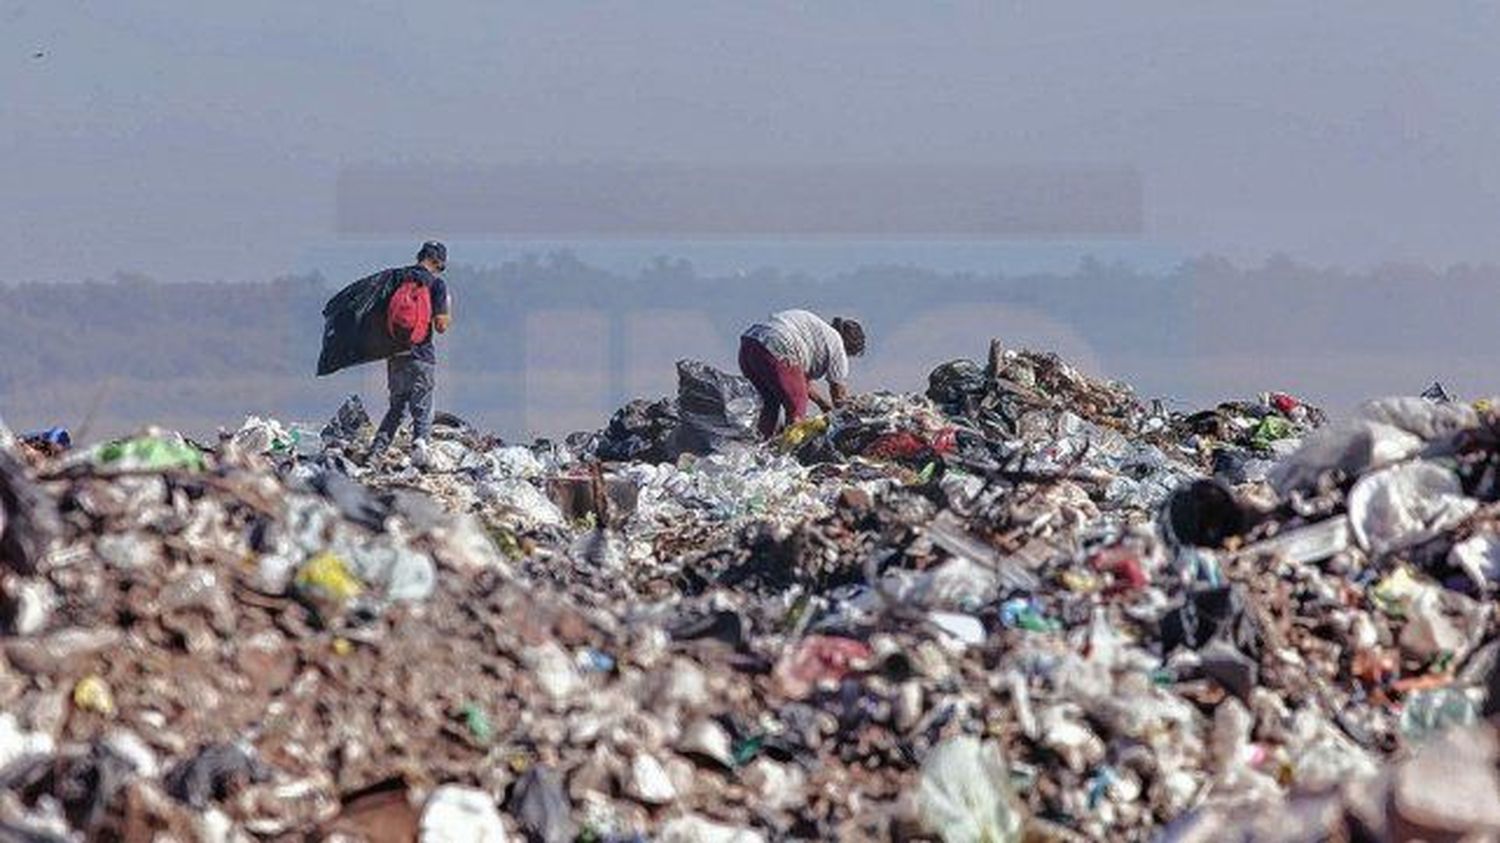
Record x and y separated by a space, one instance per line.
444 317
816 396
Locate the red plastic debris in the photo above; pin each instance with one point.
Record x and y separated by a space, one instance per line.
820 658
945 440
1284 403
901 445
1124 565
906 445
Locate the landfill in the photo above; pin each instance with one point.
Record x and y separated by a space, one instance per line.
1025 604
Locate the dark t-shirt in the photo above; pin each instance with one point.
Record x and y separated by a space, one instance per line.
424 350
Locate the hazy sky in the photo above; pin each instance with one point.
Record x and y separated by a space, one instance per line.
202 140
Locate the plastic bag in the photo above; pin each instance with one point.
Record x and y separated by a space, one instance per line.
639 431
354 329
717 409
1405 505
965 794
148 453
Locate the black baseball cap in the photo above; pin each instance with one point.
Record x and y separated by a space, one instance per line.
434 250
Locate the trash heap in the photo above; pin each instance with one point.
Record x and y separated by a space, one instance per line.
1022 605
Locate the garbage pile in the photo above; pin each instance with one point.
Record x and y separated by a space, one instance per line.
1022 605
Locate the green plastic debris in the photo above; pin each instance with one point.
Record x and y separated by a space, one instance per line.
1271 429
477 722
149 453
746 750
965 794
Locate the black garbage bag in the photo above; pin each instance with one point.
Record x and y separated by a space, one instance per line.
1220 626
215 773
717 409
354 328
86 784
347 424
954 383
1221 613
639 431
540 804
28 517
1204 513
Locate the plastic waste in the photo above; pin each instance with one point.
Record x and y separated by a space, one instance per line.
396 573
327 577
348 424
1208 614
820 658
1405 505
646 781
263 436
354 329
1425 714
49 442
965 794
28 517
31 605
455 814
796 434
354 500
520 502
148 453
215 773
717 410
17 743
1312 543
1479 558
1026 613
92 694
691 828
1204 513
540 804
704 738
476 721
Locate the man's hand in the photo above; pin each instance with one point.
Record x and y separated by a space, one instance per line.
840 394
441 322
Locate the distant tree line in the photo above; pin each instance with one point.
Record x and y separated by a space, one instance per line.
134 327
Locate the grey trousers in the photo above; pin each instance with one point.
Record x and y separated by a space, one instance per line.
410 381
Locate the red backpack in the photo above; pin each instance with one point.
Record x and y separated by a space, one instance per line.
408 317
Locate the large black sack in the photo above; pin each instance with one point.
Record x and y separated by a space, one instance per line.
354 328
717 409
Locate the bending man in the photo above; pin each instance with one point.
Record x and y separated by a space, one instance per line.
785 354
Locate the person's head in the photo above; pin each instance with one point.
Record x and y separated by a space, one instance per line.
853 334
433 256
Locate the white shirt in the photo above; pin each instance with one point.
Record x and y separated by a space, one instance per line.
802 339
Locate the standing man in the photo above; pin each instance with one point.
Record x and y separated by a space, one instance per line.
411 374
783 355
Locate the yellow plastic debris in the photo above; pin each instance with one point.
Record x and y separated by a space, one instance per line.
329 576
1394 593
342 647
92 694
1079 582
803 430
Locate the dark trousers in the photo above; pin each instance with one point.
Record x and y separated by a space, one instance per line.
410 382
781 385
